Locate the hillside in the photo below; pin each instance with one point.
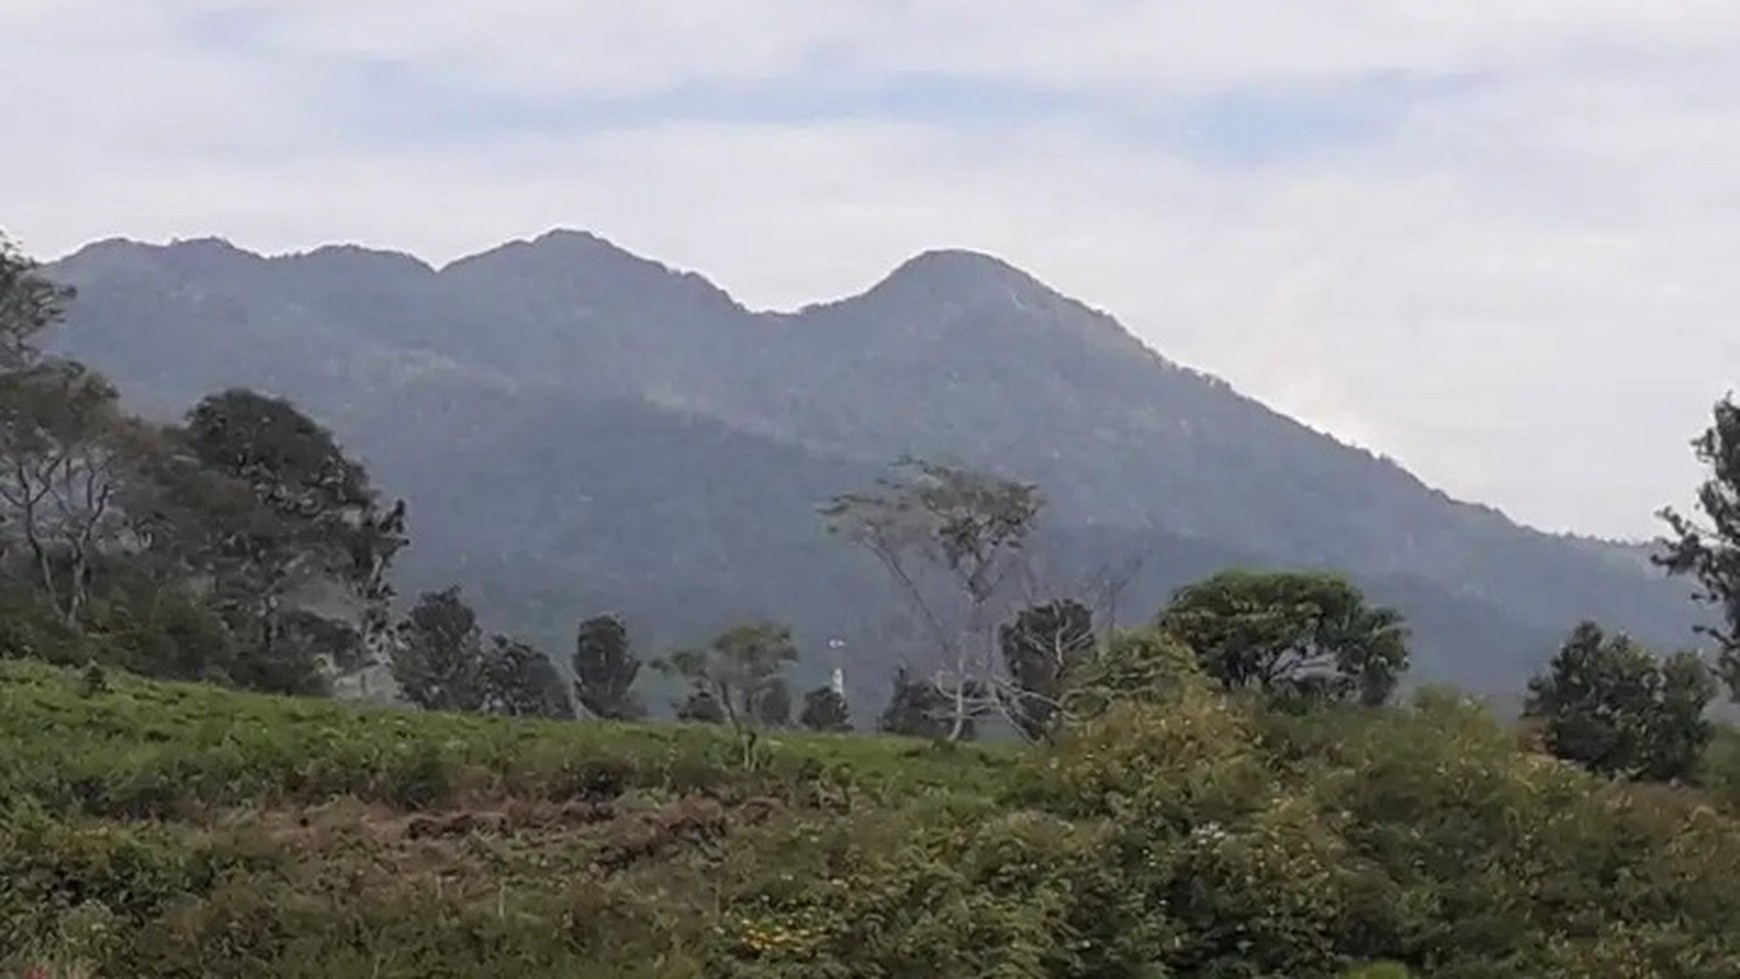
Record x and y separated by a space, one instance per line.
185 831
579 429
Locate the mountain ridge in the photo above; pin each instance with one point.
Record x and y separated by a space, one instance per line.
954 354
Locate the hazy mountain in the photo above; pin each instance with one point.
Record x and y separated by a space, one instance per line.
579 429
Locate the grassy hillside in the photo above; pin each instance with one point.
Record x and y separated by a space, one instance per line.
166 830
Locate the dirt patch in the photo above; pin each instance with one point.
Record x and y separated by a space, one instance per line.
694 821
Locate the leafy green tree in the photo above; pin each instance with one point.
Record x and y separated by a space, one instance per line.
605 669
439 661
954 543
1297 636
1042 647
282 513
521 681
1612 707
1708 550
825 710
1139 666
740 672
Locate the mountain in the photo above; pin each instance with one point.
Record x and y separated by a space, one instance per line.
578 429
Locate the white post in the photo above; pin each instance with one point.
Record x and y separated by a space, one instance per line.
839 679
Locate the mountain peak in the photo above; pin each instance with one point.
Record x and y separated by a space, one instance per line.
360 261
958 273
565 247
592 266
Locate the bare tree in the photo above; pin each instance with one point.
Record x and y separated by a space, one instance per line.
954 543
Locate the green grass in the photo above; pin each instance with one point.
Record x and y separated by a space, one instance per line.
149 750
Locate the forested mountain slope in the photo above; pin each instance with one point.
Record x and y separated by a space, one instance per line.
579 429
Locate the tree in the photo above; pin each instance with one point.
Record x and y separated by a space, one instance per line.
953 541
605 670
918 708
1609 705
438 661
825 710
1709 550
63 461
1042 648
284 518
521 681
701 707
771 704
1298 636
740 673
1140 666
29 304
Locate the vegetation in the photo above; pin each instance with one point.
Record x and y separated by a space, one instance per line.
1303 637
169 830
1709 551
825 709
1043 648
954 542
1229 792
605 670
1618 709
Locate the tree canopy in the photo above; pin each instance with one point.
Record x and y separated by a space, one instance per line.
1708 550
954 543
1613 707
605 669
1302 636
739 675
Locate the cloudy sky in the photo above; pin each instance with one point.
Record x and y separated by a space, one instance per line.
1494 239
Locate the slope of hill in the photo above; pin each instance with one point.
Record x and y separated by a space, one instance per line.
577 428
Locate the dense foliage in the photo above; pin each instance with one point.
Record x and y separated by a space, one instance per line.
1615 708
1300 637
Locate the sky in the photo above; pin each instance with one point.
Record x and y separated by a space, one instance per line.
1492 239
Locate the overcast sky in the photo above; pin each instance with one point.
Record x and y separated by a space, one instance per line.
1494 239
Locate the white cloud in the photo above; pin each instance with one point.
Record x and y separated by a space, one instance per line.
1521 288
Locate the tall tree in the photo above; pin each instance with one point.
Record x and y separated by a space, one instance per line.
1708 550
1298 636
740 673
1042 648
605 669
1611 706
954 543
439 661
63 461
521 681
289 519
